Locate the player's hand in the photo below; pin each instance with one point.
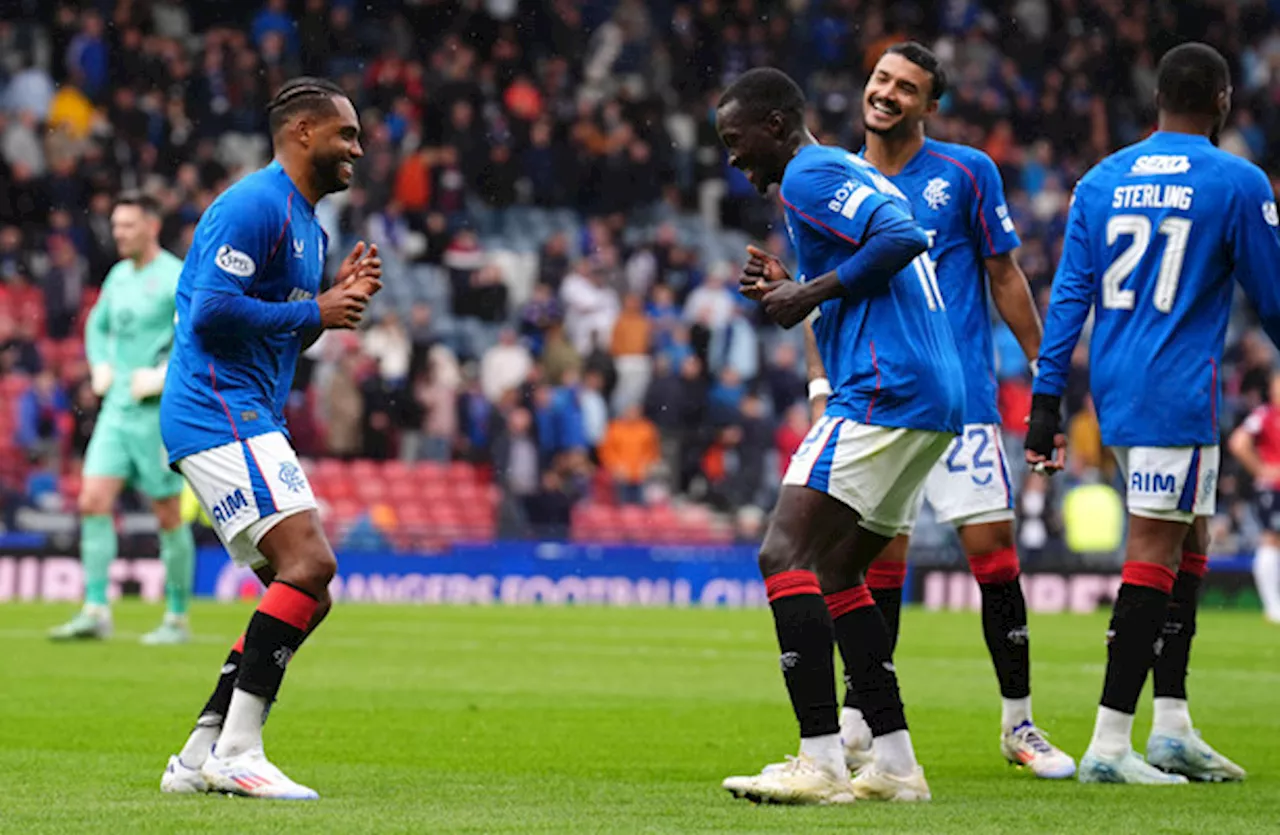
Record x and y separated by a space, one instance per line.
348 267
366 273
760 274
342 306
788 303
1045 444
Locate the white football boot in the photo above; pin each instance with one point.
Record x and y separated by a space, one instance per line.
250 774
874 784
93 622
179 778
1128 768
799 781
1027 746
1189 755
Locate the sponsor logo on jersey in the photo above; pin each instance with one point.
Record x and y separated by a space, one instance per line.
232 260
1269 213
297 294
1141 482
935 193
849 198
1006 222
1161 164
291 477
229 507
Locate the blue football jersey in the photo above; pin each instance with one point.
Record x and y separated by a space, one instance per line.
957 196
890 356
1155 235
259 239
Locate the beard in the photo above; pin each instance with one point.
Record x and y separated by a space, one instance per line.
898 129
328 172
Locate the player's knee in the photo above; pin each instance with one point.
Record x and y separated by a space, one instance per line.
168 513
323 604
94 502
776 556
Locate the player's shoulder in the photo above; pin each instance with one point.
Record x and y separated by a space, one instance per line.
953 155
817 162
255 196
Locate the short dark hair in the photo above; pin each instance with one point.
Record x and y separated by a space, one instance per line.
305 94
148 204
763 90
927 60
1190 78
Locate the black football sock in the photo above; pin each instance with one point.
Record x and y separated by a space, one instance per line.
1004 620
1169 673
863 640
804 637
1136 622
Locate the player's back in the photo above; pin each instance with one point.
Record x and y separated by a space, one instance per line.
1159 225
259 238
890 356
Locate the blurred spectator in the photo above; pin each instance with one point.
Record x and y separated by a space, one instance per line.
504 366
517 469
590 304
18 353
43 418
630 451
342 404
389 345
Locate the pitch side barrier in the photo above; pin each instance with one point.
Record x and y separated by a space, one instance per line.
558 574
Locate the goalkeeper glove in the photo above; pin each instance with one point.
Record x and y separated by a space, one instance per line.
147 382
100 377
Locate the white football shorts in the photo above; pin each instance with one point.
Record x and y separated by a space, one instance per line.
1176 484
970 484
247 488
879 471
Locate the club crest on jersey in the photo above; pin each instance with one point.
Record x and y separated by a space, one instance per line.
291 477
935 193
1161 164
232 260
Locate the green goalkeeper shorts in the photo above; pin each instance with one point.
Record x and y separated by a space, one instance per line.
129 447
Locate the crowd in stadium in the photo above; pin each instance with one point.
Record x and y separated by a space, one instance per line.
560 230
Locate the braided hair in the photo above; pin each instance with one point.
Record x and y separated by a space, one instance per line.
305 94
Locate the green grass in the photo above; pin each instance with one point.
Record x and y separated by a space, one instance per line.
586 720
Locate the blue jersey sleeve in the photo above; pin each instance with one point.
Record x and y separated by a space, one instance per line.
835 201
1069 304
988 213
243 236
1256 248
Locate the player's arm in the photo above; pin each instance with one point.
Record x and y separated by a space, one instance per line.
1010 291
819 385
97 336
883 237
242 242
1256 248
1069 304
1242 445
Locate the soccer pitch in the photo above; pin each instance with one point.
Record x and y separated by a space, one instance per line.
565 720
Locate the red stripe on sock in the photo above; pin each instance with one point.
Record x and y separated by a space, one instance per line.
844 602
1193 563
996 567
887 575
239 644
1149 574
293 606
790 583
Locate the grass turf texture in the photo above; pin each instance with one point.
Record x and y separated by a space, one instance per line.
525 720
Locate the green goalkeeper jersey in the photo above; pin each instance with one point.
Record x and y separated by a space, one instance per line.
131 326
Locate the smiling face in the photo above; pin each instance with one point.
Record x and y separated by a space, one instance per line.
335 146
757 147
898 97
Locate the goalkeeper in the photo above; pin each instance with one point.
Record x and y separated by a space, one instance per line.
127 339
